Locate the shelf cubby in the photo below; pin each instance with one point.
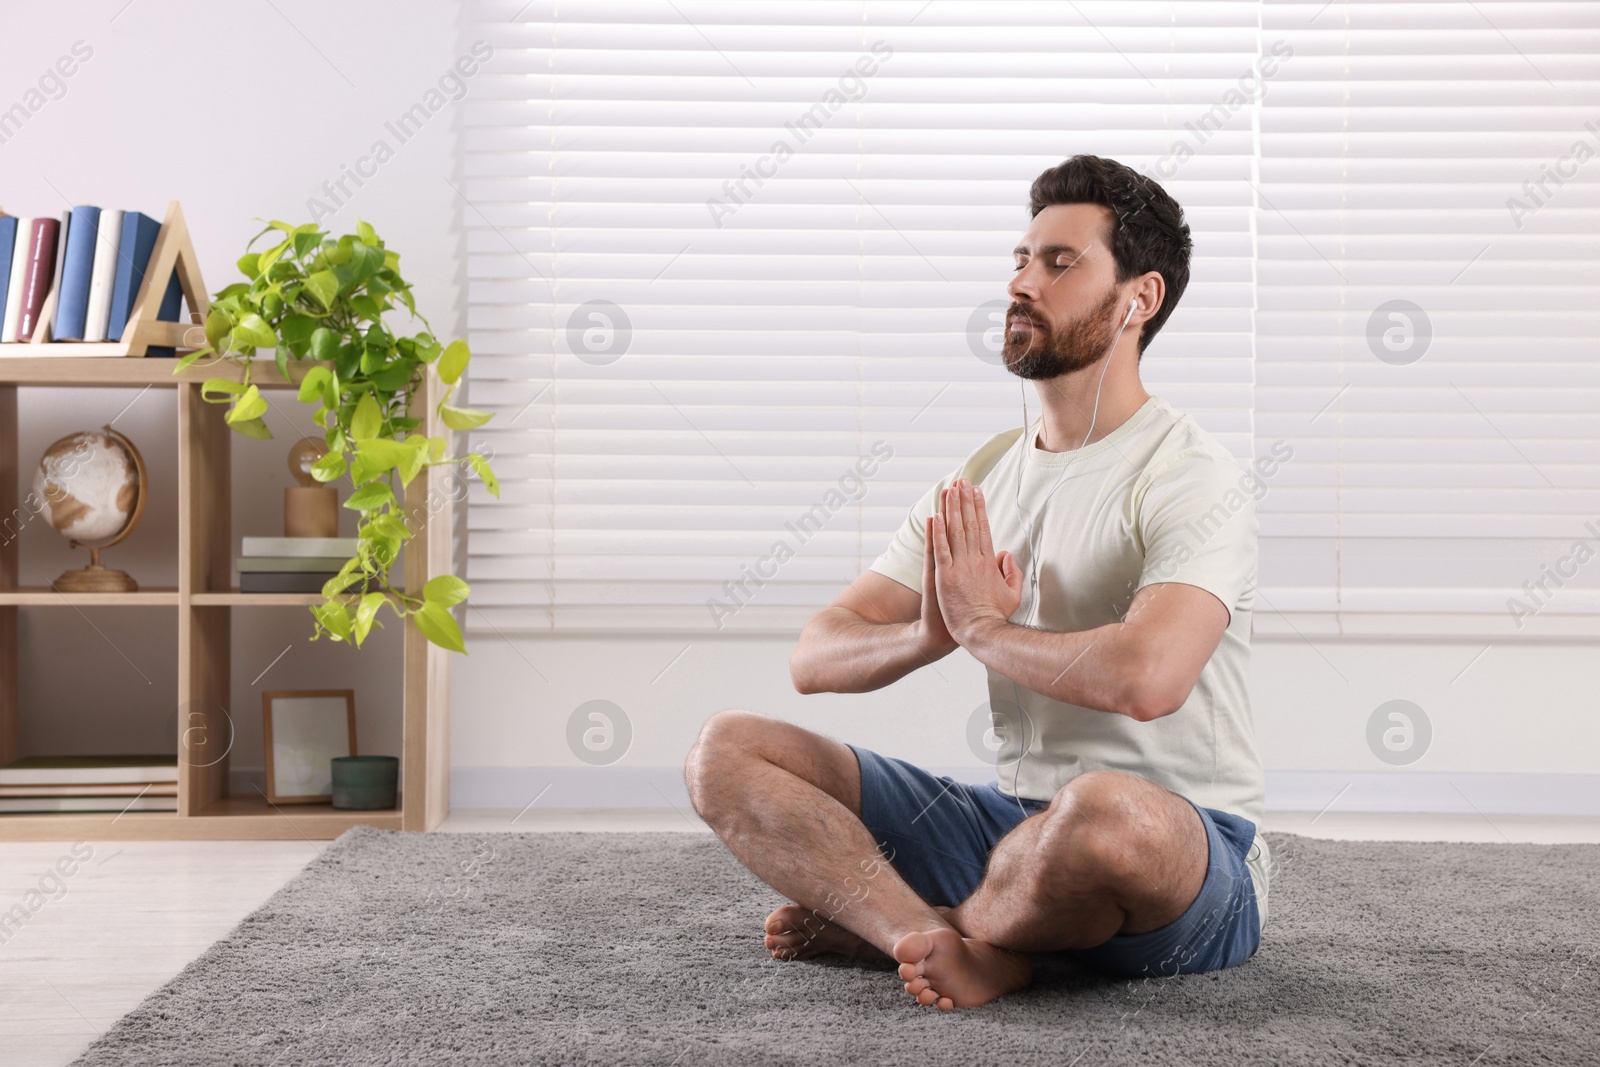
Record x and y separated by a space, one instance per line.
206 602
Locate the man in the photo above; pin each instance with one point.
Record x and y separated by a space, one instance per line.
1100 562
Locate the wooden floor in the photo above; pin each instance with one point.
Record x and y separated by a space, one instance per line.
132 915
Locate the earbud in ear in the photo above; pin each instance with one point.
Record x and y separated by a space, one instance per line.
1131 309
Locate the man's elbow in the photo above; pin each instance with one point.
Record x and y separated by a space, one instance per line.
799 674
1150 694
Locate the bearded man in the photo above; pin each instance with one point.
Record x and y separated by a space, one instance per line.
1100 562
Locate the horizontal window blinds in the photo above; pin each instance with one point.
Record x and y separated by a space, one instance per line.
1427 309
734 270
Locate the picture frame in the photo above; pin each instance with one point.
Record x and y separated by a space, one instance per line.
303 729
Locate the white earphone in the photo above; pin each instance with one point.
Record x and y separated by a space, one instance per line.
1131 309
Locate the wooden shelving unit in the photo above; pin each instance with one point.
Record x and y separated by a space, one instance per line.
206 602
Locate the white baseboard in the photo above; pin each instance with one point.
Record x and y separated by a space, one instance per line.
1425 792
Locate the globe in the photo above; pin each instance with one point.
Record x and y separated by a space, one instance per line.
90 488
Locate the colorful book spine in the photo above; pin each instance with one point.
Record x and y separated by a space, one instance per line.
19 276
41 271
76 272
108 236
133 255
13 303
8 243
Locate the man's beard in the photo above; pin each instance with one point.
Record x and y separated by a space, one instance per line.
1042 353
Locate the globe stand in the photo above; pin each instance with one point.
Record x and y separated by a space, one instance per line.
95 578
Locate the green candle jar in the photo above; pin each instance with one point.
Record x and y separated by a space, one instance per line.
365 783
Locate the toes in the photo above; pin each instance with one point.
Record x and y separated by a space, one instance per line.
929 996
946 1004
910 971
916 986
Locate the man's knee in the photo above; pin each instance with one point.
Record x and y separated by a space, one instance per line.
1099 823
726 738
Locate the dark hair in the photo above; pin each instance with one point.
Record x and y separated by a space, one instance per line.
1148 232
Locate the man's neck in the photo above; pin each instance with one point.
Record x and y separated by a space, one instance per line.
1068 402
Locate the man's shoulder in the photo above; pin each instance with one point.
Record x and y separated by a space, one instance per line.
982 461
1184 449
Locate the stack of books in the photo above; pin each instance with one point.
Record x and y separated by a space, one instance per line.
291 564
96 258
89 783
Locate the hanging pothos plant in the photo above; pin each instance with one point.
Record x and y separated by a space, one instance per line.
310 296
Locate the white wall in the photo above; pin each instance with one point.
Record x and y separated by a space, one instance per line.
1515 728
239 111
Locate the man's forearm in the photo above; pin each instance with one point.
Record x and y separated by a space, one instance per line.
840 652
1095 668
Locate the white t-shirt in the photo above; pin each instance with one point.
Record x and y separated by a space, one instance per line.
1156 500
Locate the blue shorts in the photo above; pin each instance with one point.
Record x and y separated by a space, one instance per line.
939 832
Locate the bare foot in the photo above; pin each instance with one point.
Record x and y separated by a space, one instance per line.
942 967
795 933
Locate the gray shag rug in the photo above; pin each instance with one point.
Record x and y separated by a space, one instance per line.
394 948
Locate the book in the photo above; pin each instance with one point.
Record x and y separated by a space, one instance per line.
298 546
74 273
55 276
22 805
8 242
89 770
263 564
41 270
133 256
108 234
287 581
131 789
19 274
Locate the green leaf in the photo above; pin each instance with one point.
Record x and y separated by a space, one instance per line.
375 456
304 240
324 344
218 325
463 418
383 547
392 379
367 420
370 497
314 384
365 231
416 456
445 590
252 428
324 286
339 583
329 468
296 330
481 467
271 256
454 361
247 264
366 612
347 364
189 358
333 618
364 306
250 405
218 390
253 330
280 357
439 626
